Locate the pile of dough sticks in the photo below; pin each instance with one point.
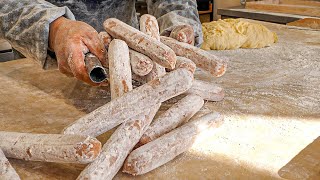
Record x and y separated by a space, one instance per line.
165 68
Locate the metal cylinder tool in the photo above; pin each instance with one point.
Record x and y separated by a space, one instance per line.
96 71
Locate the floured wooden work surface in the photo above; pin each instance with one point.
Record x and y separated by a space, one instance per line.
271 108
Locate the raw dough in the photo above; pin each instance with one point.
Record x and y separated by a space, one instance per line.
234 34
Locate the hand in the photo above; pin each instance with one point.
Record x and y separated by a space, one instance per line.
183 33
71 40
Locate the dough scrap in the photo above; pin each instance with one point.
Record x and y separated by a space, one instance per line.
236 33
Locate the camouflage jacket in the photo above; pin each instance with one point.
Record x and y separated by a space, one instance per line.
25 23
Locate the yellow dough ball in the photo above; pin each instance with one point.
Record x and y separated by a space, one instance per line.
234 34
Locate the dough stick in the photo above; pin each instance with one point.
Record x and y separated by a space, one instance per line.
118 146
203 59
179 113
183 62
6 170
208 91
167 147
141 42
140 64
132 103
157 71
149 25
119 68
49 147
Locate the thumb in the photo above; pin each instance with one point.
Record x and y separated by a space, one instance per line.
96 47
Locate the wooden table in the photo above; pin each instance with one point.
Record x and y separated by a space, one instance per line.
271 109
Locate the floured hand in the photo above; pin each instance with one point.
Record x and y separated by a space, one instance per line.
71 40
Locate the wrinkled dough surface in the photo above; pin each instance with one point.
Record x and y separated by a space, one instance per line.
236 33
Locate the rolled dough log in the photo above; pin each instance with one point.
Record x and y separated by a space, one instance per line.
167 147
60 148
141 42
140 64
207 90
183 62
119 68
214 65
178 114
149 25
118 146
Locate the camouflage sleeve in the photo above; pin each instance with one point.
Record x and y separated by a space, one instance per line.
25 24
171 13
